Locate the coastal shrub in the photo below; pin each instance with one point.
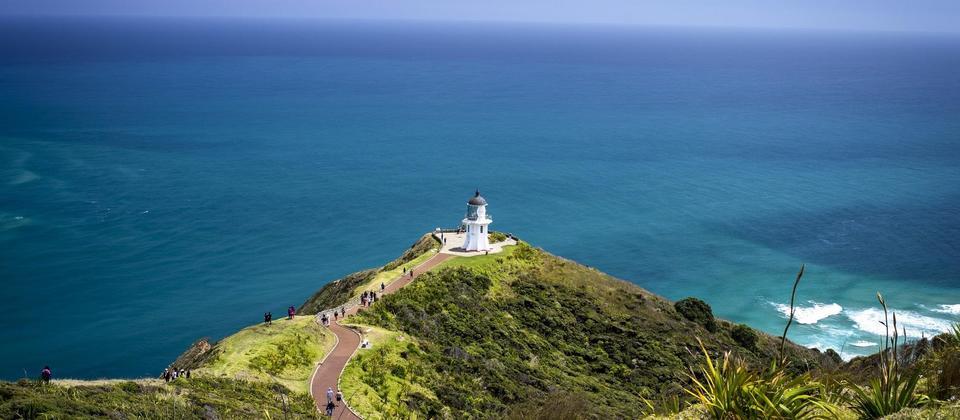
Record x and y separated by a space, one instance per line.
287 353
941 366
495 237
525 252
697 311
744 336
833 356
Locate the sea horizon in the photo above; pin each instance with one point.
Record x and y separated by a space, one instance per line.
167 179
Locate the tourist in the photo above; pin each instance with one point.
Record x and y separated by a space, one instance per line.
188 373
166 375
46 374
329 394
335 316
382 286
330 408
266 318
404 269
291 311
339 396
343 312
411 272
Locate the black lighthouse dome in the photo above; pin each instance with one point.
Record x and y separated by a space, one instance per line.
477 200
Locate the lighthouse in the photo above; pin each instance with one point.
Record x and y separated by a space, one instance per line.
476 223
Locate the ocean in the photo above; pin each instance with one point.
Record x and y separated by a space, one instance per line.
163 180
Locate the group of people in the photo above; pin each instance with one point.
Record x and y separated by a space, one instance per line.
173 374
268 316
330 400
370 297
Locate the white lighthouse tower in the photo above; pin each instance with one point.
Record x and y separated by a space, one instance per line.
476 223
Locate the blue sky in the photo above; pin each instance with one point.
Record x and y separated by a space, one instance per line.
855 15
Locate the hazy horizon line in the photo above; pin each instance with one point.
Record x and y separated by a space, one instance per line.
506 22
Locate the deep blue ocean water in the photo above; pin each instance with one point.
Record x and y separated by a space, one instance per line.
163 180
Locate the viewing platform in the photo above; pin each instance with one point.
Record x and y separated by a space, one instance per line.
454 244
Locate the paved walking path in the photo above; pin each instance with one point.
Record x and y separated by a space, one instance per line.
327 373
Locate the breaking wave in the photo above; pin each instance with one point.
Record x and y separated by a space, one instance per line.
948 309
809 314
870 320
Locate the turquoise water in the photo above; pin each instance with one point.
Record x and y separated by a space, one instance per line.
165 180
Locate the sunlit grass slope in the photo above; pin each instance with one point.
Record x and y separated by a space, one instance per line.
285 352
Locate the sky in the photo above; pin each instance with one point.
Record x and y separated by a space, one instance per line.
849 15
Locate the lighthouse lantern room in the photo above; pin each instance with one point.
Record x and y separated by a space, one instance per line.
476 224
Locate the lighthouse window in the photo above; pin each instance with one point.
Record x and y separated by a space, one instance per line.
481 229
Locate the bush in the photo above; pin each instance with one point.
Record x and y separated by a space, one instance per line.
745 336
495 237
697 311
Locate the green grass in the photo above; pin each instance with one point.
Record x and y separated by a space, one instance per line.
285 352
376 379
338 292
185 399
389 276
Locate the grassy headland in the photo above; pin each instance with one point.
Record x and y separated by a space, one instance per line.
523 330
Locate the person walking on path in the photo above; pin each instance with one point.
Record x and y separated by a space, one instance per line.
382 286
46 374
291 312
330 395
330 407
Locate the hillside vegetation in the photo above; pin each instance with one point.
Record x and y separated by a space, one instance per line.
285 352
196 398
524 331
340 291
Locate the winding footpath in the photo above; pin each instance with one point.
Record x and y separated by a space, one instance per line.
327 373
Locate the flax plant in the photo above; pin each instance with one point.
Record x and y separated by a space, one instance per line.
893 390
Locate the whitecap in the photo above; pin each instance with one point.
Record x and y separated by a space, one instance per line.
869 320
809 314
948 309
863 343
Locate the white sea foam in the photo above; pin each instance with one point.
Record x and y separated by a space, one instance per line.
864 343
809 314
948 309
869 320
